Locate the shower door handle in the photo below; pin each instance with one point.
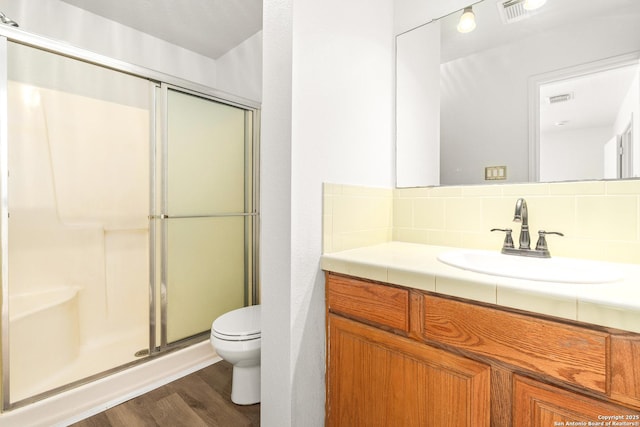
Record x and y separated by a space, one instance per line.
165 216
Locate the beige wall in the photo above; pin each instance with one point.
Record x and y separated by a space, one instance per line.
600 219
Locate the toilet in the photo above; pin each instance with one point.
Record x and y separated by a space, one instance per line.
236 337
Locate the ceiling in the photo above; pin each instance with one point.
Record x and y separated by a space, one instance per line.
208 27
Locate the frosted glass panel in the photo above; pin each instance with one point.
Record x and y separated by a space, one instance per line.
206 157
205 202
78 197
205 271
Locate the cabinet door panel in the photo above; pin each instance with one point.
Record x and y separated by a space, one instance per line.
625 369
541 405
375 378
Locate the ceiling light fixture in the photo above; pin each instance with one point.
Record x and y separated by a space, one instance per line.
467 21
533 4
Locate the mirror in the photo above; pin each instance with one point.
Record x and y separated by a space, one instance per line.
493 116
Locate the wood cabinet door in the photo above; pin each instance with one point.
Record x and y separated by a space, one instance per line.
376 378
540 405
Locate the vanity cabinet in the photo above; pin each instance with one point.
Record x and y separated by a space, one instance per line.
404 357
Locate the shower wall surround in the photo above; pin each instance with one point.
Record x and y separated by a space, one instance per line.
600 219
76 268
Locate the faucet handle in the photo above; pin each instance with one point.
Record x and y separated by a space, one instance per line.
508 240
541 245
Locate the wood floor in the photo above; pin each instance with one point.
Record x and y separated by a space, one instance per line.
199 399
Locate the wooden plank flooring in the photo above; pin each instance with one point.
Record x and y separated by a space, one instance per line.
199 399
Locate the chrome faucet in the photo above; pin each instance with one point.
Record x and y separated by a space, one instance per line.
521 215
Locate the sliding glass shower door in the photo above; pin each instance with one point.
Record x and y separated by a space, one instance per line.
75 269
128 216
207 212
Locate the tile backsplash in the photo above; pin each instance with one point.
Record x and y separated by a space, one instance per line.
356 216
599 219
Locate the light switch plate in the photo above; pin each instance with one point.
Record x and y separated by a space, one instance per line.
493 173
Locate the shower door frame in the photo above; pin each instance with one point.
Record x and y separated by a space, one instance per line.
159 80
159 209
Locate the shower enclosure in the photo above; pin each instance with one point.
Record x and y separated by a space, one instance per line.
128 216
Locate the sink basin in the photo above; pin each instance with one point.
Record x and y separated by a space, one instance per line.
565 270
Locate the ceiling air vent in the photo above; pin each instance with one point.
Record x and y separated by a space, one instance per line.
512 11
564 97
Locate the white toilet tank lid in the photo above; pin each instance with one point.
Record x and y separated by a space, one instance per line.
240 322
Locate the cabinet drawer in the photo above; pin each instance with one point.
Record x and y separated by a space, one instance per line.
569 353
380 304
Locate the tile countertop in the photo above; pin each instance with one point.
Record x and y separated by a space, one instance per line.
615 305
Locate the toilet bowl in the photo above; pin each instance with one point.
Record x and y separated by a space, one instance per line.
236 337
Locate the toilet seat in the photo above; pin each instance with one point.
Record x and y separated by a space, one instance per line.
242 324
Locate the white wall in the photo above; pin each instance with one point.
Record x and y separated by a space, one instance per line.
61 21
239 71
558 159
327 116
418 107
275 213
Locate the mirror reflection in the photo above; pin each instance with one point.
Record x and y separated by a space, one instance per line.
592 115
550 94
